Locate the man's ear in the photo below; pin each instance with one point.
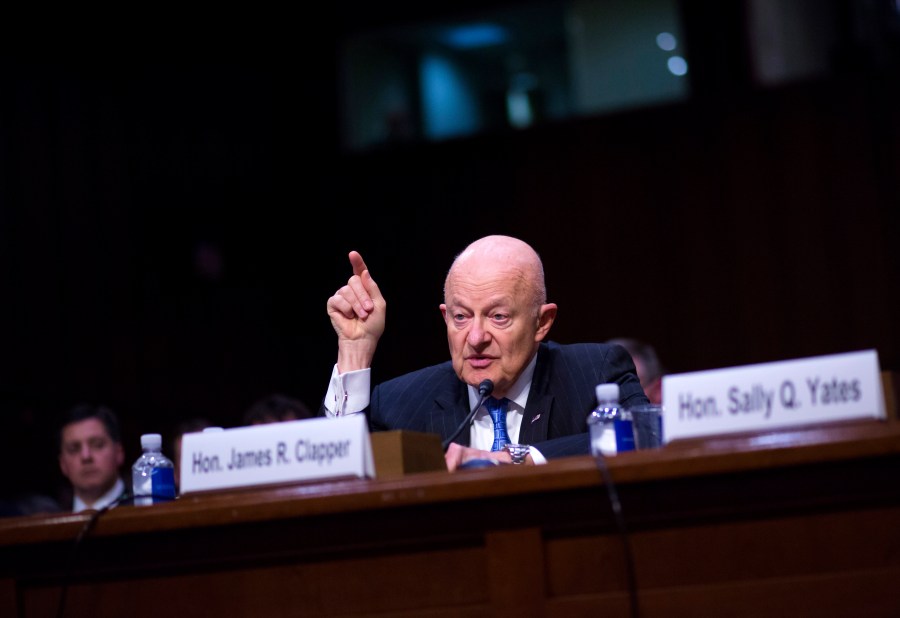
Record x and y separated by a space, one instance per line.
545 320
654 391
120 454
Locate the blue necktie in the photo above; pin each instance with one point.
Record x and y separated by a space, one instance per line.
497 410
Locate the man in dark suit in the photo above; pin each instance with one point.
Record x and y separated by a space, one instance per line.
497 317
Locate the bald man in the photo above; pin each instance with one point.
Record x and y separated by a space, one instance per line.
497 318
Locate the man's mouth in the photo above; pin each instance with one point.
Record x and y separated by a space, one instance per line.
479 362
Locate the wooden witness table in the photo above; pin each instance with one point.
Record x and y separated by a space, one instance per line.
793 523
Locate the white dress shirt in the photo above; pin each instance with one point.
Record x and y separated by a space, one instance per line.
108 498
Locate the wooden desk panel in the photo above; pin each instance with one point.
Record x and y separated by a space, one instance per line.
799 523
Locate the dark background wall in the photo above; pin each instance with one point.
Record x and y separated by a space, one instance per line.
748 225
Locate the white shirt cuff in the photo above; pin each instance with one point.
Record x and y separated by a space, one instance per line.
348 393
536 455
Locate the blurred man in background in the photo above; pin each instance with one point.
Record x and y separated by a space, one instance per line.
650 371
276 408
90 456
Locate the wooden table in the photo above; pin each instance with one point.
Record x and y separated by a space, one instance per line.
791 523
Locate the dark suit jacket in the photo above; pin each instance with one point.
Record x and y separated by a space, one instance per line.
435 400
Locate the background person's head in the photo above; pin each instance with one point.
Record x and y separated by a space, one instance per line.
190 425
276 408
496 311
649 370
90 450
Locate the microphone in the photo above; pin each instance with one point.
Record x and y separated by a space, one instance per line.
484 390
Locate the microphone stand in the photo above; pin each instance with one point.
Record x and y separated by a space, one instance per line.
484 390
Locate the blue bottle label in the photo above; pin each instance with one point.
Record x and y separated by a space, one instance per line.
162 481
624 435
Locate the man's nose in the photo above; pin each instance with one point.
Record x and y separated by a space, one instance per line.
477 334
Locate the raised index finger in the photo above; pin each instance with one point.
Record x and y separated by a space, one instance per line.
359 265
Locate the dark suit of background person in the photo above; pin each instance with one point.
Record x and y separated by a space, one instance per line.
497 317
25 440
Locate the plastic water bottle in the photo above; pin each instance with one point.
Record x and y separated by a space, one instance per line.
610 423
153 474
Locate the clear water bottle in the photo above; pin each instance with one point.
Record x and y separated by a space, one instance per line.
153 474
610 423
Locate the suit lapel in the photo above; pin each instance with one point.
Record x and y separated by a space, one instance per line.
449 410
536 420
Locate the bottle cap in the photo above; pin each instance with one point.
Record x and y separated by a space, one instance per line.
607 392
151 440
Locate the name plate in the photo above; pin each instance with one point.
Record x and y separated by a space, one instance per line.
304 450
769 395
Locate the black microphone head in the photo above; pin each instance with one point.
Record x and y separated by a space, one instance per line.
485 388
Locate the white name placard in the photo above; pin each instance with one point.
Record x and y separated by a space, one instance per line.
769 395
304 450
